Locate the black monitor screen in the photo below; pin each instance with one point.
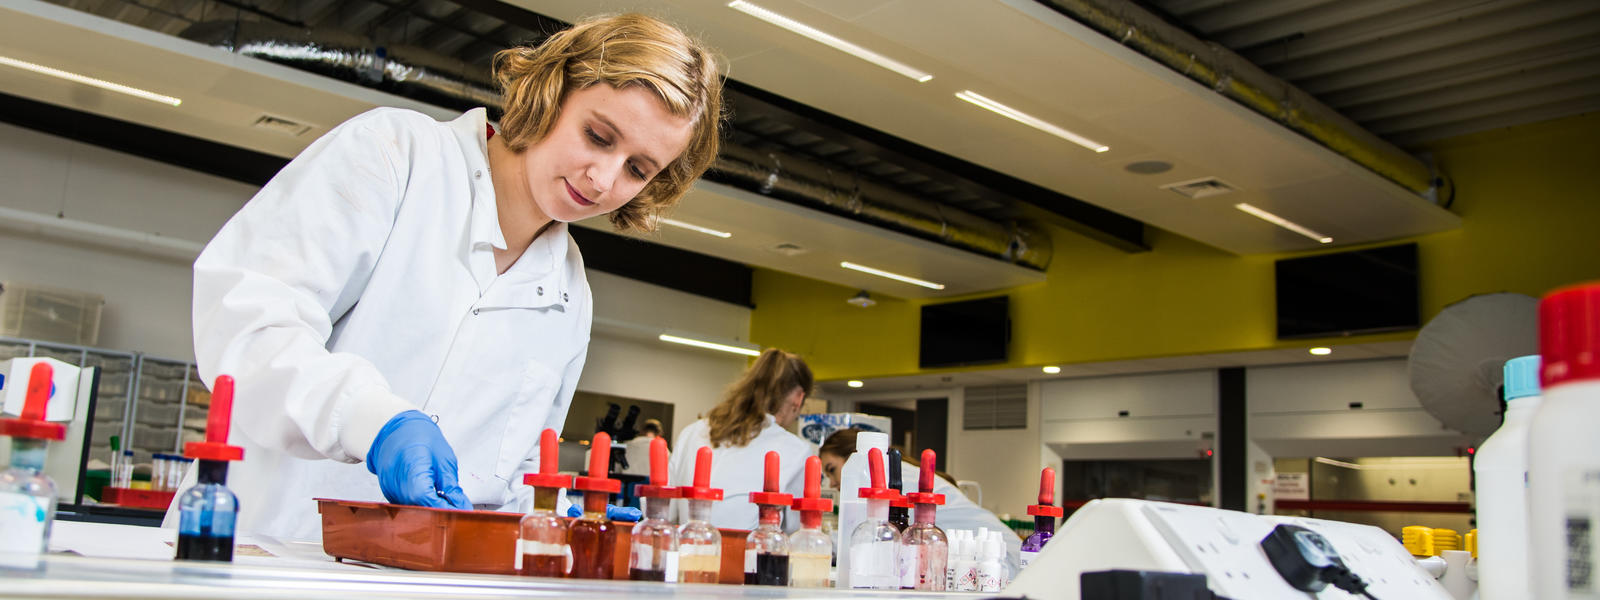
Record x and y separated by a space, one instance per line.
965 333
1348 293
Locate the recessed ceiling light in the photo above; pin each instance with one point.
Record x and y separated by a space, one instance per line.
1321 351
855 383
895 276
1030 120
1284 223
830 40
86 80
693 227
1052 370
709 345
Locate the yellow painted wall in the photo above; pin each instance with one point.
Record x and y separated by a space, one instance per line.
1530 209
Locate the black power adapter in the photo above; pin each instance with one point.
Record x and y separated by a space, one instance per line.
1308 562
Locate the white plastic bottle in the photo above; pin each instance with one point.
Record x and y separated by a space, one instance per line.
852 509
1564 448
991 570
966 569
1501 466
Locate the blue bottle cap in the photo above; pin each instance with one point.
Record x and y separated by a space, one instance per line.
1522 377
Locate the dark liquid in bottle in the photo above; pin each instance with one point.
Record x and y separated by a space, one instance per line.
205 547
544 565
647 575
593 549
771 569
900 518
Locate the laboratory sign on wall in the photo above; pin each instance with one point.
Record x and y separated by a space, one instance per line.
1292 486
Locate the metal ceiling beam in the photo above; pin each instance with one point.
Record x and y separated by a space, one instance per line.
1241 14
1396 23
1506 103
1532 82
1512 119
1261 35
1585 56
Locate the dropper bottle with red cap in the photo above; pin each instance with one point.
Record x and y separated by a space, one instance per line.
27 495
766 550
591 537
924 547
811 550
654 554
874 561
542 542
207 512
699 542
1044 514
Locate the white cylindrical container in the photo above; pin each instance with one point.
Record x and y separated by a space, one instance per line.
852 509
1564 449
1501 466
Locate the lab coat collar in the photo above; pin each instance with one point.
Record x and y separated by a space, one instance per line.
470 133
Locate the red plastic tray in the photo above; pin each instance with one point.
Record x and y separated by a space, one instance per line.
132 498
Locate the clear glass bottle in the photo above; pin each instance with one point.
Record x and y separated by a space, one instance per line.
542 534
591 536
766 550
875 544
654 552
27 495
208 511
1044 517
810 549
924 548
700 542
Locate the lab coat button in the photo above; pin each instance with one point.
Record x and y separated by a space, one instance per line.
563 296
477 174
539 290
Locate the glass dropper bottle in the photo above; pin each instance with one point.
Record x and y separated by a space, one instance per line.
899 507
654 553
924 548
207 512
27 495
811 550
542 542
766 550
875 544
591 536
699 542
1044 517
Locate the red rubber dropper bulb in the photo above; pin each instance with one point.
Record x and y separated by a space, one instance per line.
31 424
1047 496
924 494
812 505
658 462
701 490
772 471
599 465
219 418
549 475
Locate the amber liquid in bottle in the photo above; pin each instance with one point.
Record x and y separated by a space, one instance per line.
592 540
544 565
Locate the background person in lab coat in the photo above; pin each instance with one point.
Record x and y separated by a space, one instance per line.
751 420
958 511
638 449
405 294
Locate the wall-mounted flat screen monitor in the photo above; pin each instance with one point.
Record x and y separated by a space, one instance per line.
1348 293
971 332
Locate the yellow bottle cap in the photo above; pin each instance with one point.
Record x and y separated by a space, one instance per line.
1418 540
1470 540
1446 539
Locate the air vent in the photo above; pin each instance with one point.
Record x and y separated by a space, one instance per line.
788 249
281 125
1200 188
995 407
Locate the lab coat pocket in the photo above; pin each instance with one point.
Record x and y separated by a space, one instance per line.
527 417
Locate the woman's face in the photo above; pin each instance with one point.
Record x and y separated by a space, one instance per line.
789 411
831 463
604 147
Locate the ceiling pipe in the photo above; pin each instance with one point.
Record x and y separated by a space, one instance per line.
1229 74
424 76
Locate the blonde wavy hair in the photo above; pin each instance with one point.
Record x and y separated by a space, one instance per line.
619 50
758 393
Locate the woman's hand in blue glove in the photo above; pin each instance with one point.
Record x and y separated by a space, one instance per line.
415 464
625 514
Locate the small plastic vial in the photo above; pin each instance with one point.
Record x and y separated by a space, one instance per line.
207 512
542 539
654 554
591 536
766 550
811 550
875 544
27 495
699 542
924 548
1044 514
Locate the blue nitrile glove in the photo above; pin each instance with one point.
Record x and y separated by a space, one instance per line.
626 514
415 464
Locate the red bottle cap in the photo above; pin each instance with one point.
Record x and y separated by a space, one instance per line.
701 490
599 466
31 424
924 494
1569 335
1047 496
771 496
549 464
813 502
879 489
657 488
901 500
218 420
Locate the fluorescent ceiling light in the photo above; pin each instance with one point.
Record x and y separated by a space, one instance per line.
1030 120
855 383
830 40
709 345
1284 223
86 80
1052 370
1321 351
693 227
895 276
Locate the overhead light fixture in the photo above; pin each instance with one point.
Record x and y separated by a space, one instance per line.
1052 370
1030 120
895 276
862 299
86 80
1284 223
830 40
855 383
1321 351
709 345
693 227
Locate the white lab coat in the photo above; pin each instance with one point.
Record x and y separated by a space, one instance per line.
359 283
960 512
739 470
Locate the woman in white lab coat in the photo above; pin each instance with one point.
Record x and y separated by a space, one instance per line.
751 420
405 293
